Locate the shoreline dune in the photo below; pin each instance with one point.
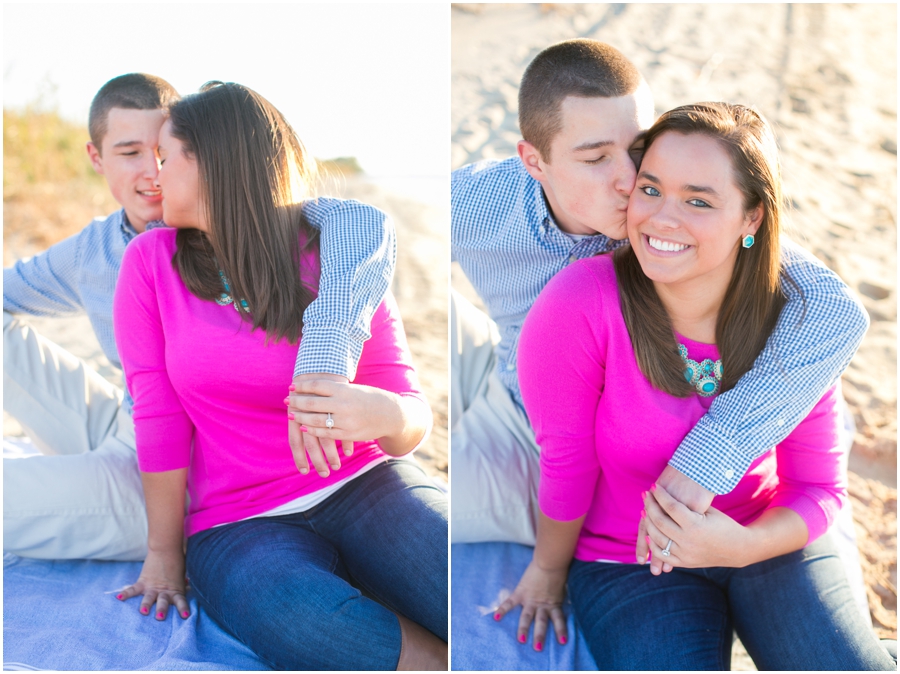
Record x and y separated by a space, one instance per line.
825 76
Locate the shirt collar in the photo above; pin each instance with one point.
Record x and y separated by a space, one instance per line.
128 230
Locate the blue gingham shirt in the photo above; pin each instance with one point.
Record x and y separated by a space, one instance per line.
504 238
358 255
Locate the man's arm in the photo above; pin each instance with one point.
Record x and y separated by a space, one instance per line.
810 347
46 284
358 256
357 259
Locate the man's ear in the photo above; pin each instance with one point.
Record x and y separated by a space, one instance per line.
531 158
94 155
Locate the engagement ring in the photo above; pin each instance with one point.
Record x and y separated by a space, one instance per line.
329 423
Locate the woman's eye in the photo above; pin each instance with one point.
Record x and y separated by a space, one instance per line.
650 191
699 203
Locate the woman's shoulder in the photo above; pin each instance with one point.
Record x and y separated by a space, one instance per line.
592 278
151 247
580 294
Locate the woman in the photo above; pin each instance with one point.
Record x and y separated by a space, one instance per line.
619 358
277 554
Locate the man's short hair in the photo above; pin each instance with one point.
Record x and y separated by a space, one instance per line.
135 91
580 67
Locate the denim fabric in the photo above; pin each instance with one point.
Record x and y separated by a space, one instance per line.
318 589
793 612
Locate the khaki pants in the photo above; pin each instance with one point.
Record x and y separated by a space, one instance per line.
79 496
494 467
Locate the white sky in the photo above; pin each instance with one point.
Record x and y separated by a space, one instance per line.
364 80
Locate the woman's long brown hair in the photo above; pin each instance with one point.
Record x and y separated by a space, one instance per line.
252 167
755 297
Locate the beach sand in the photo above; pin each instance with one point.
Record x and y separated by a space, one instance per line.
37 217
825 76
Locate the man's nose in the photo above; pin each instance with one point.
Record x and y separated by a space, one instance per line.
626 176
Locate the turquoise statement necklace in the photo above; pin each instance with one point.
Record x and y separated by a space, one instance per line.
705 376
225 298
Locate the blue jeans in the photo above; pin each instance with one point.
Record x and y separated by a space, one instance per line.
319 589
791 612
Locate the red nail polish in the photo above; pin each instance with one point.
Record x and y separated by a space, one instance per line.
144 610
563 640
159 615
497 616
538 646
522 639
185 614
119 596
292 388
653 487
304 429
287 400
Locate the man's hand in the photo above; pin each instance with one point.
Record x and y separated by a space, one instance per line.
323 453
683 489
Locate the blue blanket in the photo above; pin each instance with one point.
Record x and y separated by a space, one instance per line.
64 615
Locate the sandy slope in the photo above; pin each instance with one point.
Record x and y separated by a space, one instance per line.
825 76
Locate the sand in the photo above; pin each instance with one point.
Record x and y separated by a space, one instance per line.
825 76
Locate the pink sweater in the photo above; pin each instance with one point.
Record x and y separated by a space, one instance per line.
209 393
606 434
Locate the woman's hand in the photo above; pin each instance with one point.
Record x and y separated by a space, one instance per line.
540 593
357 413
710 539
321 452
161 582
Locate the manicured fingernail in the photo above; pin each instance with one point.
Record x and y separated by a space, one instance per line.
643 513
287 400
643 495
522 639
304 429
119 596
324 473
145 610
653 487
497 616
159 615
290 416
292 388
185 614
304 471
538 646
563 640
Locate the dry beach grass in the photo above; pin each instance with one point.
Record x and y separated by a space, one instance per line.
825 76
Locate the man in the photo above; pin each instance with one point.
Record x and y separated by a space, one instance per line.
81 497
516 223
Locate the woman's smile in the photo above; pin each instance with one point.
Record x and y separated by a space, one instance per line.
664 247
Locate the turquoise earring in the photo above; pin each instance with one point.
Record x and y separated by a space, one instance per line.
748 241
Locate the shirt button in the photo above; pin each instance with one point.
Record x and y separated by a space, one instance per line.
572 258
510 366
779 422
729 473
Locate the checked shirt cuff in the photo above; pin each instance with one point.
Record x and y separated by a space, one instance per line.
330 350
709 457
